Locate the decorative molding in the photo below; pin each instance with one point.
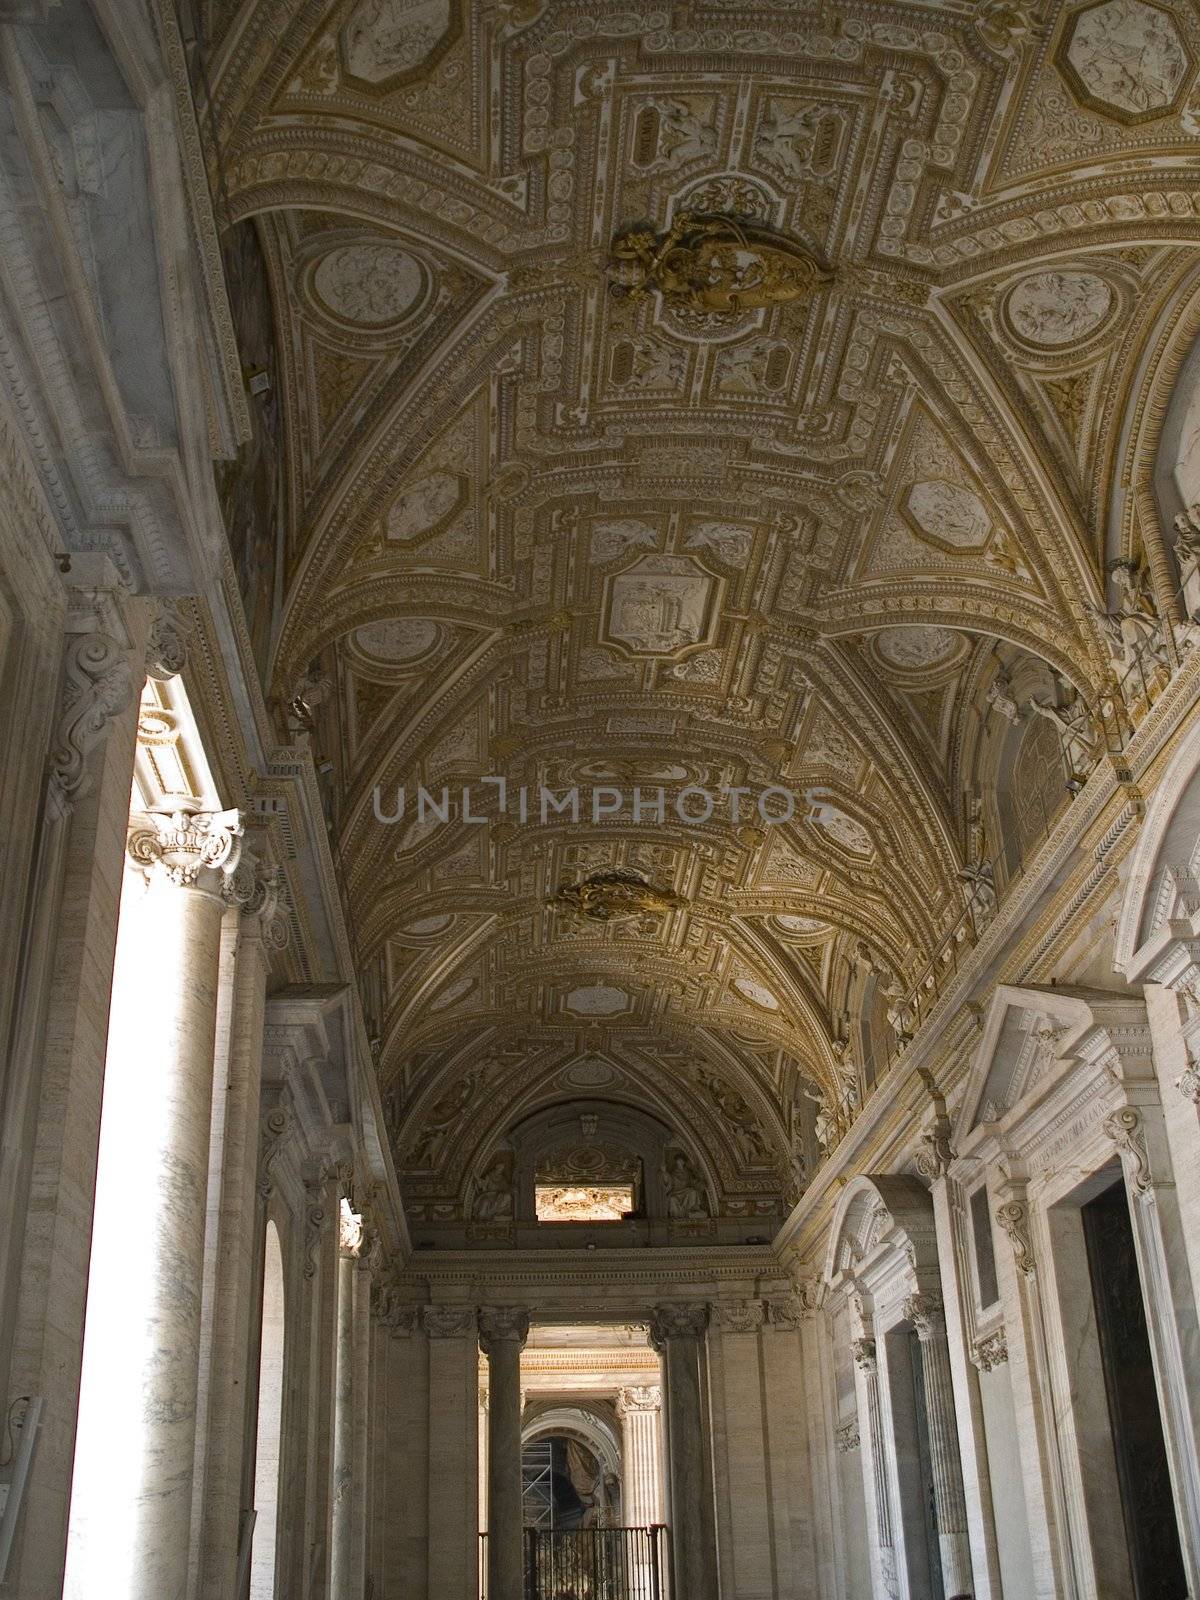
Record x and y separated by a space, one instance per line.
276 1129
846 1436
167 644
990 1351
1013 1217
1126 1129
738 1316
98 685
639 1397
865 1359
450 1322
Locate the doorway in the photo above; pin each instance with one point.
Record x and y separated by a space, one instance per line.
1143 1475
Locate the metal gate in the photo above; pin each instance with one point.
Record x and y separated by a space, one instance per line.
591 1564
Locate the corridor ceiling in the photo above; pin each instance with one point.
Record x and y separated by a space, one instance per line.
831 533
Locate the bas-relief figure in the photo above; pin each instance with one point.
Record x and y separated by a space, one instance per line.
687 1198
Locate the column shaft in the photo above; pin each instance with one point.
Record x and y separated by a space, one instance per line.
677 1332
502 1334
925 1313
341 1564
132 1501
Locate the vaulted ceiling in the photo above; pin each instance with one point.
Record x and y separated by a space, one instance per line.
872 519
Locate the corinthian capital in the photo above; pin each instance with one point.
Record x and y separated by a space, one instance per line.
502 1325
677 1322
640 1397
925 1313
190 848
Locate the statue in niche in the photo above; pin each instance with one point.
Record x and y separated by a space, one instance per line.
825 1123
1076 734
1133 627
687 1200
495 1200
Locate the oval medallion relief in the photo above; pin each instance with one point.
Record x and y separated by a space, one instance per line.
372 285
1053 309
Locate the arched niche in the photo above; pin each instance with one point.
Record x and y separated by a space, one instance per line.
882 1220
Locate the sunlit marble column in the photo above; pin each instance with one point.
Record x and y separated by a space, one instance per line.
925 1314
132 1493
502 1334
677 1333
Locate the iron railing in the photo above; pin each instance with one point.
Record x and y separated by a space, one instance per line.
590 1564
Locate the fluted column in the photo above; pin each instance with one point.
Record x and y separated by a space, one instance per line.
677 1332
502 1334
132 1497
875 1462
925 1314
640 1411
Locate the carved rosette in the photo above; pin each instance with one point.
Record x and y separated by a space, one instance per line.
188 847
1127 1131
98 685
1013 1218
677 1322
500 1325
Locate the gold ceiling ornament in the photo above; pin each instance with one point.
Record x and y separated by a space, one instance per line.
714 264
614 896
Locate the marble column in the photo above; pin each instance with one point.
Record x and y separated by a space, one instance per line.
925 1314
341 1585
234 1239
453 1490
875 1464
61 971
502 1334
677 1333
132 1496
640 1411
